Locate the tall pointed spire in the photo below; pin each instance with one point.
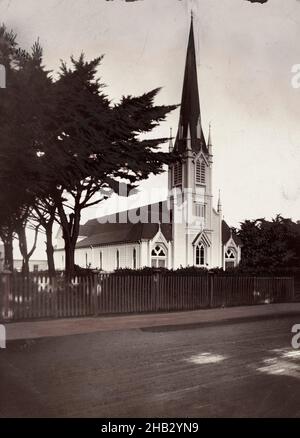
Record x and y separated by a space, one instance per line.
190 114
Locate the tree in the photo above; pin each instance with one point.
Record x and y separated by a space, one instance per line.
270 245
7 54
98 144
62 141
21 134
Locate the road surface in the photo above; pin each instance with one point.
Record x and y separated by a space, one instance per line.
232 369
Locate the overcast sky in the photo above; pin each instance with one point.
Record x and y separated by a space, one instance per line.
245 54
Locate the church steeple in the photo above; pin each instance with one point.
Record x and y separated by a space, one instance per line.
209 141
190 115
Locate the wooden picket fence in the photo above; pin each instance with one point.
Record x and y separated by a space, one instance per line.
39 296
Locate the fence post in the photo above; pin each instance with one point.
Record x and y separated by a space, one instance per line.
94 279
293 289
156 289
211 277
54 297
5 291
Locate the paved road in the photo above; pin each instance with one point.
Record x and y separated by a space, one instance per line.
232 369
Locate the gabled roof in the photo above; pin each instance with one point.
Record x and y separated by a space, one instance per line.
190 116
227 234
117 228
113 229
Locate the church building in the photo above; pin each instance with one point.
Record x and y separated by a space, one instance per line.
186 229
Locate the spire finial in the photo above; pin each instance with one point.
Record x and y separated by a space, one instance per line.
219 203
192 15
209 141
209 133
171 141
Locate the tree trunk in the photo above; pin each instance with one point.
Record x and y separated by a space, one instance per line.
8 252
23 249
70 226
70 259
50 250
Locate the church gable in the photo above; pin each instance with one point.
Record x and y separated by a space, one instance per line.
202 237
159 238
201 157
229 236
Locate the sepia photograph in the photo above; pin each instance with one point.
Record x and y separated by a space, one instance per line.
150 214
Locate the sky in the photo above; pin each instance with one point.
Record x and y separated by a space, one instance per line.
245 53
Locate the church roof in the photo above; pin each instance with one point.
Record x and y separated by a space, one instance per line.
227 234
117 228
190 116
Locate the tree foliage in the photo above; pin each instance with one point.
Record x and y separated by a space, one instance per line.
62 141
270 245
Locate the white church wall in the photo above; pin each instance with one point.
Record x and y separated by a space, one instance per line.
178 255
59 241
93 257
59 259
217 256
144 254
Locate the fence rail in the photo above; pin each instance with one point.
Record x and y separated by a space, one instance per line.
40 296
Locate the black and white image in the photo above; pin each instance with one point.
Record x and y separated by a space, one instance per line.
149 221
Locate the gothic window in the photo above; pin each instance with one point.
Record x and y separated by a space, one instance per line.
230 258
177 174
134 258
200 254
158 257
200 172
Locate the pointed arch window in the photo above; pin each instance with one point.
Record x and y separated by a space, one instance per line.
230 258
159 257
200 172
200 255
177 174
